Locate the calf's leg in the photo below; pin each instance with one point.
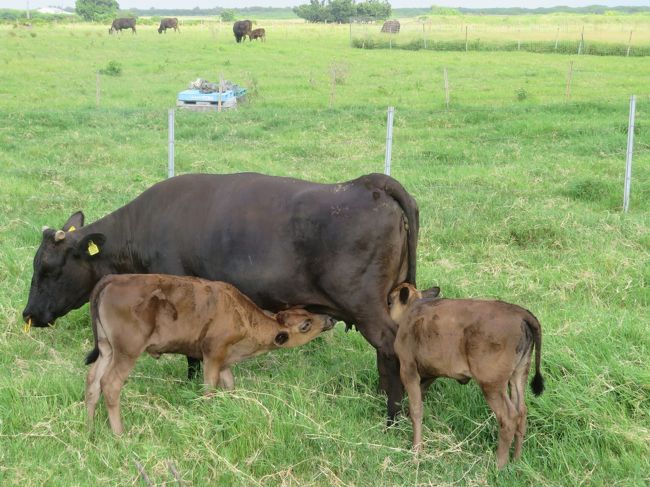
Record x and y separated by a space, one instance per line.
111 385
517 395
411 380
497 398
95 374
226 379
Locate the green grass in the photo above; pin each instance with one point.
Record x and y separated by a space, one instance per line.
520 199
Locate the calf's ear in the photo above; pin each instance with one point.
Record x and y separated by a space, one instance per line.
432 292
91 245
75 222
281 338
404 295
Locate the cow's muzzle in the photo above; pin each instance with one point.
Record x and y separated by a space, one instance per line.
35 320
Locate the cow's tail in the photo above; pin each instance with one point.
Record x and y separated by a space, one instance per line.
93 355
410 208
537 384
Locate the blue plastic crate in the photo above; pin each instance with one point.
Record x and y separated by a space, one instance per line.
197 96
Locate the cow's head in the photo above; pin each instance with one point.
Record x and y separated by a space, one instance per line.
160 29
64 271
298 326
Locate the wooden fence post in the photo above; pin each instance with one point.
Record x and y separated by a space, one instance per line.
567 95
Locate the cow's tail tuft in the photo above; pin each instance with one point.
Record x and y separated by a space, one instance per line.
537 384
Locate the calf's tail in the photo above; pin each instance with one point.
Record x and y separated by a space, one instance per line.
93 355
537 384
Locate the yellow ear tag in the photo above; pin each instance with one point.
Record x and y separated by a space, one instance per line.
72 228
92 248
27 326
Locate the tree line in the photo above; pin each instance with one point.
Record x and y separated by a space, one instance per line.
341 11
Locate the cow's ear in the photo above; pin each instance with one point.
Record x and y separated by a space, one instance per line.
91 245
404 295
75 222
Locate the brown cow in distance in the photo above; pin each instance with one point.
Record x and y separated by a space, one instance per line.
258 34
208 320
491 341
120 24
168 23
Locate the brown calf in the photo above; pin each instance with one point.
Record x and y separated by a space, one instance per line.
258 34
212 321
491 341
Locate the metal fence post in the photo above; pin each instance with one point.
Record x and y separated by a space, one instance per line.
389 140
628 158
170 168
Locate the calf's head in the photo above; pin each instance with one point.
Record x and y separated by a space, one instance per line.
403 295
298 326
64 271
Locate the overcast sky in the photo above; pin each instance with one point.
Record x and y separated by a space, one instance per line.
145 4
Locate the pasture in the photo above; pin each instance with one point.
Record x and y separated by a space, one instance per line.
520 194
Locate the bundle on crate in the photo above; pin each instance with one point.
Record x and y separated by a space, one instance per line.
203 95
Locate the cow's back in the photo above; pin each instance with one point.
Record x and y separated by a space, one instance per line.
278 240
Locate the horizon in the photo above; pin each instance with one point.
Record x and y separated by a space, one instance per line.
209 4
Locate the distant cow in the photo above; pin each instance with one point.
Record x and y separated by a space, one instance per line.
491 341
241 29
391 27
119 24
258 34
208 320
168 23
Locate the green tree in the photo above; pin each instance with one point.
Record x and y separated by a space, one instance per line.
96 9
342 10
314 11
227 15
435 10
374 9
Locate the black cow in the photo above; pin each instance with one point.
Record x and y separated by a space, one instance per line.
241 29
337 248
168 23
124 23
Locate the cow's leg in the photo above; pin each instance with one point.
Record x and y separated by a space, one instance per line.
111 385
497 398
95 374
411 380
193 368
380 333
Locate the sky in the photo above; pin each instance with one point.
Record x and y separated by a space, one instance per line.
145 4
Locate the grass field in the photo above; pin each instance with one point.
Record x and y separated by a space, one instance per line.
520 194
